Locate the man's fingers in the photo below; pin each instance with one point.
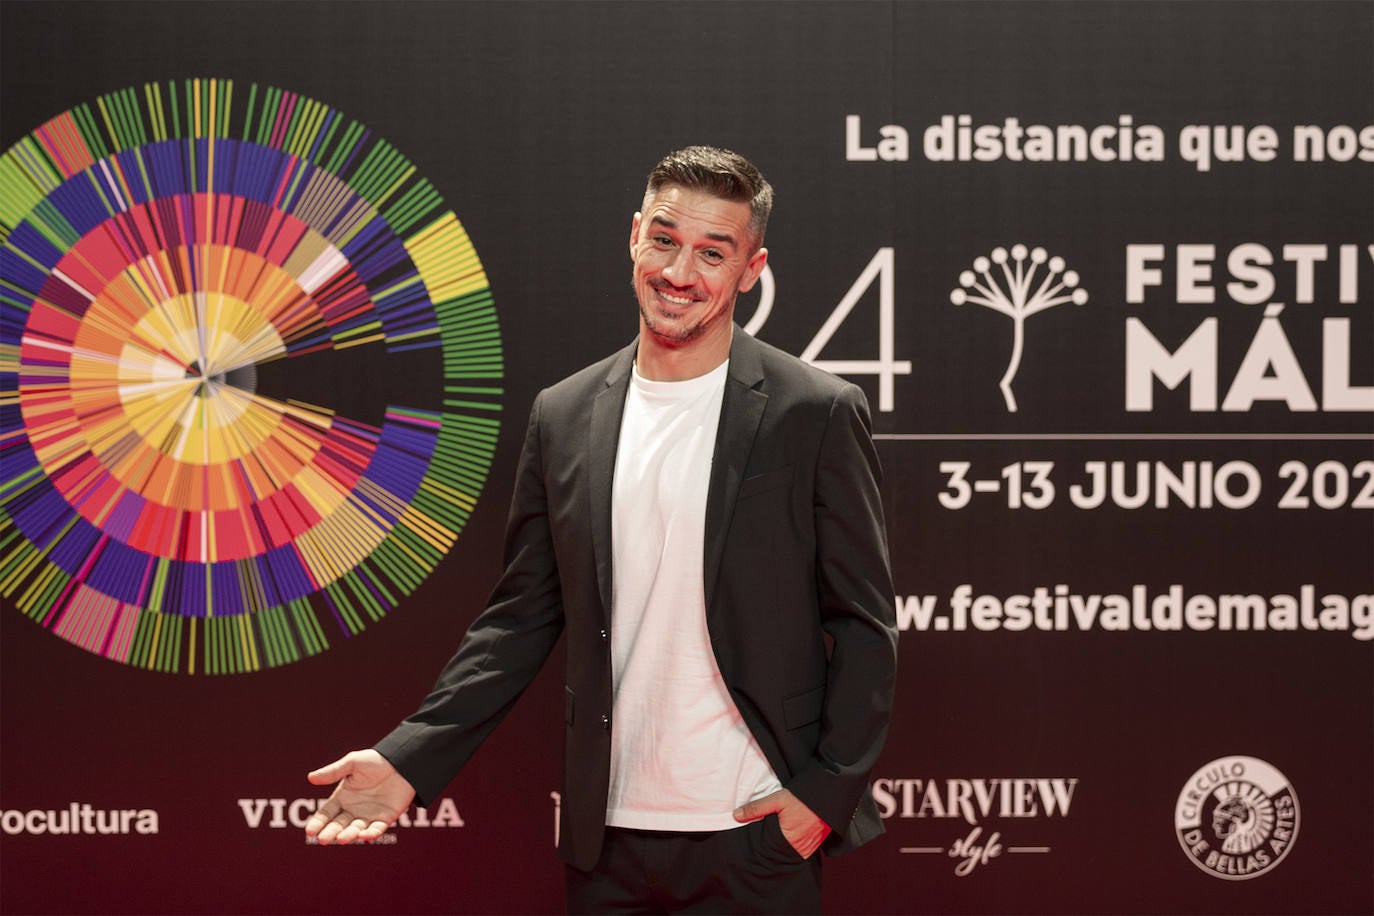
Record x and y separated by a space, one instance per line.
322 815
331 773
328 833
373 830
342 828
368 794
759 807
333 824
352 828
355 830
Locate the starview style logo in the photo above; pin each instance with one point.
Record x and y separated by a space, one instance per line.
975 801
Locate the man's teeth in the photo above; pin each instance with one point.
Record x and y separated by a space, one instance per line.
676 300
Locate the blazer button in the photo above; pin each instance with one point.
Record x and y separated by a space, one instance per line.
604 635
605 721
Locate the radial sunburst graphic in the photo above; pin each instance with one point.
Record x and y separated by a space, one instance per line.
251 376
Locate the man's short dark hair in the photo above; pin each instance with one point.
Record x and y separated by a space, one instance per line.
721 173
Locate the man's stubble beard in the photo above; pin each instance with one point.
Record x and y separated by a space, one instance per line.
659 326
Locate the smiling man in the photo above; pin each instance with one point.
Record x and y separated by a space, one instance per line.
693 253
698 515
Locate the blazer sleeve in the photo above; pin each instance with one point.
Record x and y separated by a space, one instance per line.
502 651
855 595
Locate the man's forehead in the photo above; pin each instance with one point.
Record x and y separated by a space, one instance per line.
672 204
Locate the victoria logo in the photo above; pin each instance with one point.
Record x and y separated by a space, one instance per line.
1017 289
282 813
1237 817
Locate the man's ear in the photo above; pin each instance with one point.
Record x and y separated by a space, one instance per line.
634 234
757 262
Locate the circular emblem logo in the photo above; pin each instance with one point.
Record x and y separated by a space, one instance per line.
1236 818
251 372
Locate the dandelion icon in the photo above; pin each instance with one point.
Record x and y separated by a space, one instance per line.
1014 299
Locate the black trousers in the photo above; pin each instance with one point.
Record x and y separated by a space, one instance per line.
750 869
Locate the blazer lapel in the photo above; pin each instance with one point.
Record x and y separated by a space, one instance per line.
603 438
740 413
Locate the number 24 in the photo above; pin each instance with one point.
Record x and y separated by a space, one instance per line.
886 367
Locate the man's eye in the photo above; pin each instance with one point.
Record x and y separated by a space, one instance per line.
715 257
662 241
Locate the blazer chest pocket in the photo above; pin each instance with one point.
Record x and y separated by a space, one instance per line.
765 482
803 708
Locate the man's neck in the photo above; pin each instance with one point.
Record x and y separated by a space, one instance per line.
660 363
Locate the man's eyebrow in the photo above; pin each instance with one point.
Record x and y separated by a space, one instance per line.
723 237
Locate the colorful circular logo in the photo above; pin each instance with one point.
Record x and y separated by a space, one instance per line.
1236 818
251 376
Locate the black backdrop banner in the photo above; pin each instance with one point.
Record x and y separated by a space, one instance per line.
280 282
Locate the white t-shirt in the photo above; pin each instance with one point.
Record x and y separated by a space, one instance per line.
681 756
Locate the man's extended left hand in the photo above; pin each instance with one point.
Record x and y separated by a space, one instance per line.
800 825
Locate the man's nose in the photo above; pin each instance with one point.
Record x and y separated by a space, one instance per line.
679 268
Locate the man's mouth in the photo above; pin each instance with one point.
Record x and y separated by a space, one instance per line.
675 300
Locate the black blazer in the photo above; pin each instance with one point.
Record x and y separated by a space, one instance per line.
798 592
